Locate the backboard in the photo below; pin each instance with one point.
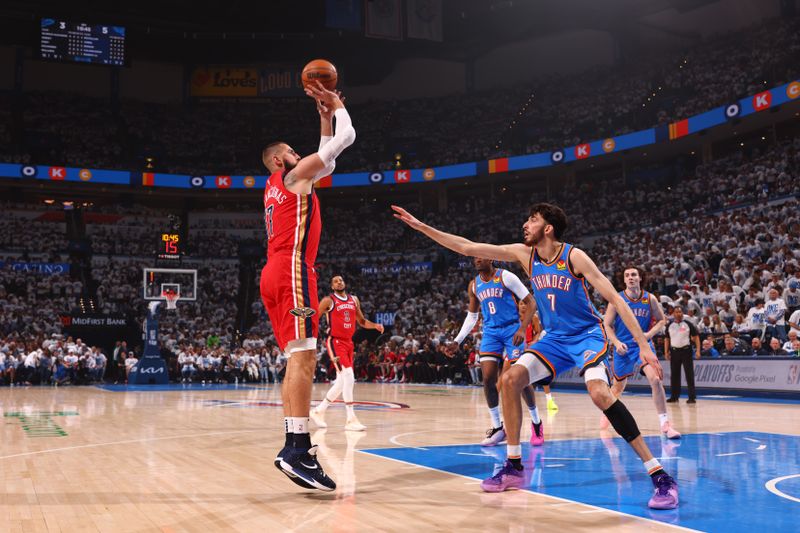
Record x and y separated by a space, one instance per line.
180 280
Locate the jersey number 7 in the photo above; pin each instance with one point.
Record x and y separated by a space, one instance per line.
552 298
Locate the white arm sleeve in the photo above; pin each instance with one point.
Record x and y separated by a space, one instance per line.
328 170
344 136
466 327
513 283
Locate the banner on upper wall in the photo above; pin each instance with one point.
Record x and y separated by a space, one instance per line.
280 82
383 19
343 14
224 81
745 373
424 19
284 82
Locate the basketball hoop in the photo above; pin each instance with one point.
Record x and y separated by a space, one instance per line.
172 299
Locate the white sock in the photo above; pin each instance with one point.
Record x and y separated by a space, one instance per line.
652 465
663 418
350 412
514 450
300 424
548 396
494 412
534 411
323 405
288 425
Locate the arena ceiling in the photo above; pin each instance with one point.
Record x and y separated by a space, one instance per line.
207 31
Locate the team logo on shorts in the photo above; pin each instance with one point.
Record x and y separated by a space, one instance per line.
303 312
588 354
561 265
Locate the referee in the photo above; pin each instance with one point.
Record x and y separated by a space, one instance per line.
678 351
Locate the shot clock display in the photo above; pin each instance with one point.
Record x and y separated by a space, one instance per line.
169 247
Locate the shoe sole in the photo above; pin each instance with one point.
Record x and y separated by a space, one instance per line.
664 507
287 469
493 442
294 478
503 489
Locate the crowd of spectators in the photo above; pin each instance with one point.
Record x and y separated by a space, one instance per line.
227 137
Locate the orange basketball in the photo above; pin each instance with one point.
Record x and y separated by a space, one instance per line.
320 70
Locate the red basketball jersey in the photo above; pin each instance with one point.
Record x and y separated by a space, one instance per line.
529 334
342 317
293 222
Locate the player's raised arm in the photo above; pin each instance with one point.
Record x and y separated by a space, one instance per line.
584 266
322 163
502 252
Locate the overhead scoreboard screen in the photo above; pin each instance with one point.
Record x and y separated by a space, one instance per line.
99 44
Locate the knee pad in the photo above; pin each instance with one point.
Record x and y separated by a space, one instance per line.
596 372
622 420
301 345
537 371
348 381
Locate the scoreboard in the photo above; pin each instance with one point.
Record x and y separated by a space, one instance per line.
84 43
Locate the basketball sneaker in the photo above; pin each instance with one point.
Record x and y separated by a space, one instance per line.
666 493
353 424
667 429
318 417
537 434
494 437
508 478
293 477
551 405
303 465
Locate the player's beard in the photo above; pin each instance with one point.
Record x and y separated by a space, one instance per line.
289 165
535 238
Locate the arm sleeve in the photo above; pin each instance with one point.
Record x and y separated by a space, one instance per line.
328 170
513 283
344 136
466 327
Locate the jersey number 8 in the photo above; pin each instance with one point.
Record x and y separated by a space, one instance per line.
492 309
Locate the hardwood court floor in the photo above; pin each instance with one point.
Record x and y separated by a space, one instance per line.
201 460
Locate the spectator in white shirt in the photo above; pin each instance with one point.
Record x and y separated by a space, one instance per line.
776 315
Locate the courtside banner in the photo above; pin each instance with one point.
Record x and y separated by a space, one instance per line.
718 116
745 373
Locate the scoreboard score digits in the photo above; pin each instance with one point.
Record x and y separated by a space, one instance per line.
169 247
83 43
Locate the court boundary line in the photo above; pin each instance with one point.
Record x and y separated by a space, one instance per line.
131 441
564 500
772 486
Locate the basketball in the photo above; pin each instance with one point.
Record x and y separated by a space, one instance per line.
320 70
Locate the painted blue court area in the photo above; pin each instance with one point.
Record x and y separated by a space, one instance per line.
728 481
172 387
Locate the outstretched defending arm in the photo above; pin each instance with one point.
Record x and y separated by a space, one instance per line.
504 252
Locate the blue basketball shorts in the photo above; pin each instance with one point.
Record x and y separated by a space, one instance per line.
560 353
625 365
499 342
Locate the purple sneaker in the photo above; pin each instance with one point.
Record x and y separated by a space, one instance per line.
507 478
666 494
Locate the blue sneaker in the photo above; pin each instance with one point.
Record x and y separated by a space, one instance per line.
293 477
303 465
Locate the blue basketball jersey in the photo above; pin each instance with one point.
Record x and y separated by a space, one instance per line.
498 304
565 308
641 310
